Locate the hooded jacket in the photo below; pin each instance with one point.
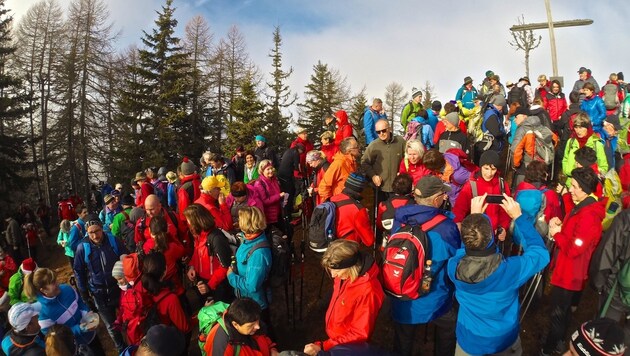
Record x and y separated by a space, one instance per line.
370 117
611 254
467 97
556 105
344 128
445 240
220 212
596 110
488 316
333 181
170 312
187 193
96 273
353 221
382 158
568 160
576 242
251 273
354 306
268 190
211 257
455 175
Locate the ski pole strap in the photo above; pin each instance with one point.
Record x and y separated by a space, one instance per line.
608 300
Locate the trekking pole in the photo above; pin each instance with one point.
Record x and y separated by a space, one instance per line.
376 193
529 297
302 262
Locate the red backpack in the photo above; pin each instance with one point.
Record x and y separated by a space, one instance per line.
138 312
404 260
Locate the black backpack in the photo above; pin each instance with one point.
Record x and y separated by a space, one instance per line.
127 232
280 257
517 95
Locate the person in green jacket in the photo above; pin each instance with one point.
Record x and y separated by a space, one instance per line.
119 219
250 170
581 136
16 283
411 108
64 236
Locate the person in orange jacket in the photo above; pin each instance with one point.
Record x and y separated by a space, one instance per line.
344 163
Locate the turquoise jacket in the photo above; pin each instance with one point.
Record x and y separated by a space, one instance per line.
64 237
251 272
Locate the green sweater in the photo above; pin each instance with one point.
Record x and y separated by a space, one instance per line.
408 113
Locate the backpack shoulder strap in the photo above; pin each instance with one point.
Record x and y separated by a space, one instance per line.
113 243
501 185
433 222
86 252
473 188
126 215
173 218
262 244
341 203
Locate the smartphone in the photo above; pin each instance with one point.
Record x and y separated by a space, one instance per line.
494 199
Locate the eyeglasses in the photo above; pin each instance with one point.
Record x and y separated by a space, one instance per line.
382 131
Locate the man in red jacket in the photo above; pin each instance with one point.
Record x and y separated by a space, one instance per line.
189 190
353 221
576 239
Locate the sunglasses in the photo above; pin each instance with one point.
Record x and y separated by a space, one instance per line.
381 131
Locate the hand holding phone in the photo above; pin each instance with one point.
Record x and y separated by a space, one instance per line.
494 199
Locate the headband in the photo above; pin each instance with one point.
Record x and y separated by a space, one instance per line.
345 263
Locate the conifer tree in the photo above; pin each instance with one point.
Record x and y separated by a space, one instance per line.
355 116
325 93
248 121
279 99
13 142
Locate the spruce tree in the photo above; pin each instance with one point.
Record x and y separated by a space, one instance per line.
325 93
13 142
355 116
277 123
247 113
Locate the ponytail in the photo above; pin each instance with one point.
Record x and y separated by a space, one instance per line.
36 280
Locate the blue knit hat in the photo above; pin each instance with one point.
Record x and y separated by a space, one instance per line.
355 182
260 138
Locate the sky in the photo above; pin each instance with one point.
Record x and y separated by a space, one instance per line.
374 43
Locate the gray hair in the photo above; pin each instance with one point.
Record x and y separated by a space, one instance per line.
415 145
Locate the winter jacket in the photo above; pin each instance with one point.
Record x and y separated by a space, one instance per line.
493 122
7 271
576 242
266 152
353 221
96 273
68 309
354 306
188 192
382 158
77 233
556 105
390 206
542 114
171 195
611 254
457 136
220 212
409 111
445 240
13 233
142 232
579 84
316 178
440 129
370 117
64 237
16 288
238 162
424 132
433 119
523 147
467 97
248 279
308 146
119 222
146 189
289 169
211 257
173 255
228 171
416 171
568 160
335 177
66 210
252 200
17 344
170 312
329 151
268 190
344 127
553 209
488 316
498 217
454 175
596 110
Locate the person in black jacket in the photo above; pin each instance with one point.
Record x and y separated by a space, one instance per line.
612 253
263 151
289 168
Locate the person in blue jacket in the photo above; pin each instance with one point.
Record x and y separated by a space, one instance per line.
487 284
594 106
111 208
247 275
93 263
437 305
371 115
77 231
467 94
60 304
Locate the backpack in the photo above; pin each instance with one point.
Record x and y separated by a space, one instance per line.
533 204
322 229
414 128
487 136
475 133
127 232
404 260
387 218
142 313
208 317
87 249
611 100
517 95
612 190
446 144
159 191
544 147
233 241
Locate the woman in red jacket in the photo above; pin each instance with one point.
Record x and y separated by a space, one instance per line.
412 164
344 128
576 239
357 296
207 268
555 102
171 248
169 308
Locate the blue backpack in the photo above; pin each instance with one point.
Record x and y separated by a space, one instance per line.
87 249
489 111
322 229
533 204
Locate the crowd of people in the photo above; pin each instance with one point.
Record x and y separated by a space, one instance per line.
506 183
